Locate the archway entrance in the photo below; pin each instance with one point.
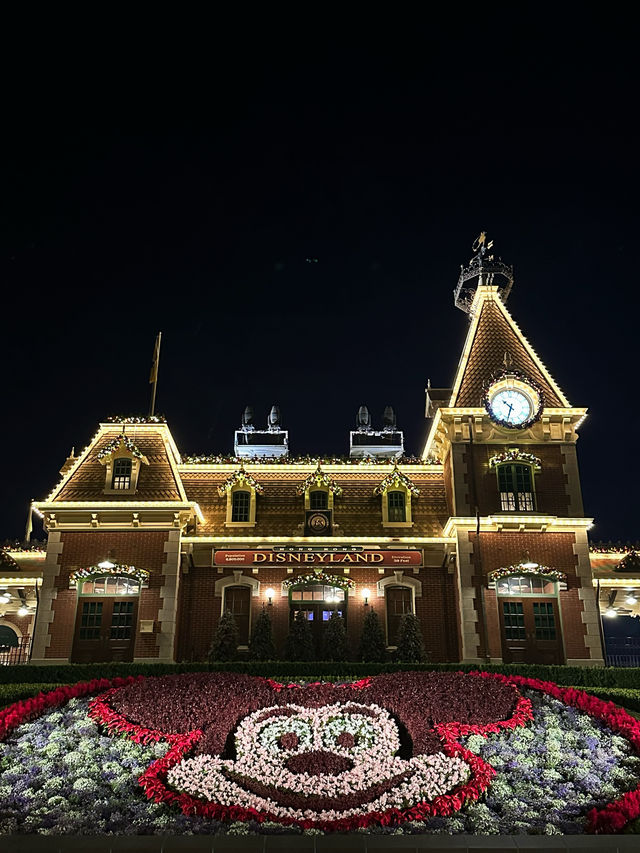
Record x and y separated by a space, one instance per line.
106 619
529 620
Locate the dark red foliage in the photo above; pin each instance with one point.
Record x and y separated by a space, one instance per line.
289 740
318 762
346 740
243 691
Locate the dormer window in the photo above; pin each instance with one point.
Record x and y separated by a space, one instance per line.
396 490
121 479
122 461
240 490
240 506
319 490
319 499
397 506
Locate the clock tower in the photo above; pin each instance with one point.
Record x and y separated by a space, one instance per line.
506 435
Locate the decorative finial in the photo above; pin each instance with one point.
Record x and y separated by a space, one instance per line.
507 361
483 268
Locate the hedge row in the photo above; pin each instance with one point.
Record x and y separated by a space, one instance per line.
9 693
70 673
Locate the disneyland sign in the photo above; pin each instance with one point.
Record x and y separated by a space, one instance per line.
318 558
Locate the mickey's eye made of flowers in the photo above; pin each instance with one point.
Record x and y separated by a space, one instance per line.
349 732
285 734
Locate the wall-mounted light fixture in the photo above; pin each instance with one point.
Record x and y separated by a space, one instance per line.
366 593
631 599
23 611
106 564
269 592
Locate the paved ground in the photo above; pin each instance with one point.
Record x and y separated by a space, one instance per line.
320 844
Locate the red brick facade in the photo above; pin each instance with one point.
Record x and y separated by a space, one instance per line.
176 514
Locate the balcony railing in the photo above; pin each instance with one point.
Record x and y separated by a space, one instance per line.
10 655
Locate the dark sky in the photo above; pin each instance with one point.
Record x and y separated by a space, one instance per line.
185 196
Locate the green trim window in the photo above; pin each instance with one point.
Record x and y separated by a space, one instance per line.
515 484
240 504
397 506
319 499
121 480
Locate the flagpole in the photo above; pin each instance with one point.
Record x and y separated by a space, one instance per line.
154 374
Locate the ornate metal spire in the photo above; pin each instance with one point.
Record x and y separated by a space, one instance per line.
483 268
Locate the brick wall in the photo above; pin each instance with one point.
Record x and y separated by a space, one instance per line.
550 481
144 549
549 549
200 609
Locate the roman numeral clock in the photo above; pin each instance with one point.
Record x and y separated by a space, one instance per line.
513 401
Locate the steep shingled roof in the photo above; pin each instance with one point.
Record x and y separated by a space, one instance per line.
156 481
494 333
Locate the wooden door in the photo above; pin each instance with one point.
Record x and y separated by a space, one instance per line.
237 600
399 601
530 630
318 614
105 629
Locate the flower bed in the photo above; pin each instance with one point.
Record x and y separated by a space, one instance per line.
430 752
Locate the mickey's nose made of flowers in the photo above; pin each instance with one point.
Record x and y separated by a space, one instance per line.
318 763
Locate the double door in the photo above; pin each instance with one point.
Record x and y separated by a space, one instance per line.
530 630
105 629
317 614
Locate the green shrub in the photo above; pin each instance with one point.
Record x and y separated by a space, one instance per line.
373 647
225 641
335 638
299 644
577 676
409 640
10 693
261 645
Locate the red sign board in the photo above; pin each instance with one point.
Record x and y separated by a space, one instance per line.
318 558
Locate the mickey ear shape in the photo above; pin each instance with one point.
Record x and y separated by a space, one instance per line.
177 704
419 700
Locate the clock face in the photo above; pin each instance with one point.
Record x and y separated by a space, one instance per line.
511 407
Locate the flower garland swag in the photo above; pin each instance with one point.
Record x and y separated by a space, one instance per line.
523 569
320 577
514 454
133 572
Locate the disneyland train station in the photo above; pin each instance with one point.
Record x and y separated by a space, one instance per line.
481 534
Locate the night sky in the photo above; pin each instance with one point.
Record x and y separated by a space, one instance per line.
187 197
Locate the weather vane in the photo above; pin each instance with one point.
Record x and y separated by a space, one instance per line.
480 244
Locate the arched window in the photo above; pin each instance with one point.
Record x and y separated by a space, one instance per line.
240 505
319 499
121 479
515 484
8 637
397 506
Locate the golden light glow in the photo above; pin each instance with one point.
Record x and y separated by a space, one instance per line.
493 522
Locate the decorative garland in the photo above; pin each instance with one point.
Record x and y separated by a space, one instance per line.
136 419
630 563
515 455
319 577
394 480
122 439
520 571
221 459
611 548
322 480
141 575
240 478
